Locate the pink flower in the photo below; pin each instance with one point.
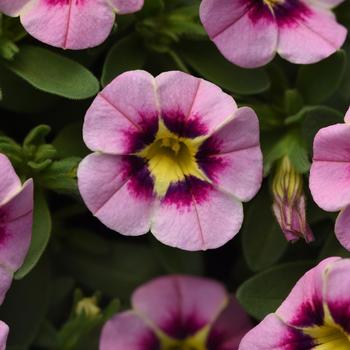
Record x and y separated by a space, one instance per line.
250 32
16 212
315 315
4 330
174 155
330 175
178 312
70 24
289 202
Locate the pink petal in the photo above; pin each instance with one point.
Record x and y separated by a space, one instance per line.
192 106
10 183
229 329
304 305
232 158
180 305
312 38
12 7
244 38
195 216
118 191
6 276
337 292
16 227
124 116
127 331
273 334
69 24
330 171
127 6
16 218
347 116
328 4
342 227
4 330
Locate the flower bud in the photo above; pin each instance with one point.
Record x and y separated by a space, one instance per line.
88 307
289 202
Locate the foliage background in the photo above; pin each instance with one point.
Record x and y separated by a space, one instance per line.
45 93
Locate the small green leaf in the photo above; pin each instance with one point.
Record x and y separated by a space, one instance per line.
61 176
204 57
318 82
262 239
40 235
127 54
53 73
264 292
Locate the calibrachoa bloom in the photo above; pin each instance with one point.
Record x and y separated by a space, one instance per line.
315 315
16 211
330 175
70 24
289 202
250 32
174 155
178 312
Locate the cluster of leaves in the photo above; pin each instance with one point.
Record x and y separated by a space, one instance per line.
71 251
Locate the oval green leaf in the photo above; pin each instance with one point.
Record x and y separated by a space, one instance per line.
53 73
263 293
204 57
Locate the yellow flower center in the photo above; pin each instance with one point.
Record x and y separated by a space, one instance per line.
195 342
330 336
272 3
171 158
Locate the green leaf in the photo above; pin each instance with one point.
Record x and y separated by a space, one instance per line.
263 293
293 101
290 144
332 247
69 142
316 118
318 82
114 267
127 54
40 236
175 260
53 73
208 61
61 176
262 239
26 305
19 96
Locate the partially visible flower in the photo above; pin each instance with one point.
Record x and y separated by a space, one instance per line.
16 215
16 212
315 315
250 32
69 24
174 155
178 312
330 175
4 331
289 202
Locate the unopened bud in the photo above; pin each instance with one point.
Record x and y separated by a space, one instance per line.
88 307
289 202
